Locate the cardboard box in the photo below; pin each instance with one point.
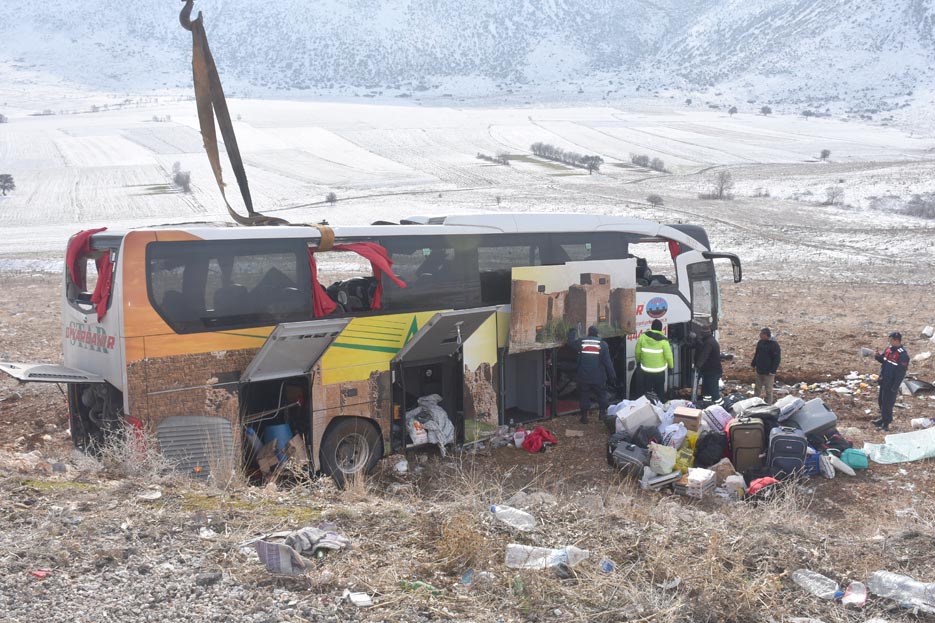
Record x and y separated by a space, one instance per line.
691 418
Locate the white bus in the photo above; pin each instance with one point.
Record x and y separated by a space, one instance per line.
214 339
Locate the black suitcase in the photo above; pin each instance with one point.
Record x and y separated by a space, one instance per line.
787 451
623 437
746 443
631 459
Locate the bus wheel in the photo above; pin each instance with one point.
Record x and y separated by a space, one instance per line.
350 449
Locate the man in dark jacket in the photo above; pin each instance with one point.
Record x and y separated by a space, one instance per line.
708 364
595 369
895 362
765 362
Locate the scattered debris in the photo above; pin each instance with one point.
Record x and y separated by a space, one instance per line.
361 600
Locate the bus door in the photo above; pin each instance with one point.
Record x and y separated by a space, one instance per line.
275 388
431 363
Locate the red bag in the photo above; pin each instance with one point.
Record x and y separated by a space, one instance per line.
536 440
760 483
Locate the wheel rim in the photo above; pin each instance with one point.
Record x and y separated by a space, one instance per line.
352 453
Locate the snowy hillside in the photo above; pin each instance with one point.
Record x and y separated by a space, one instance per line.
847 53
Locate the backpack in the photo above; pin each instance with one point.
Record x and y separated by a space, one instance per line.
710 448
645 435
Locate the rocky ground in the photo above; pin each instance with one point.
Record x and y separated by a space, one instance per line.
124 540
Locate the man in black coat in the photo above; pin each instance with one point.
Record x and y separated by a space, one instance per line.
595 369
708 364
895 362
765 362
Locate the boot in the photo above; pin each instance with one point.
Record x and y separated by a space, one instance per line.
584 417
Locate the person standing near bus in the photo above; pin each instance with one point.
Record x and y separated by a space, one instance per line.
765 363
595 369
708 364
895 362
654 358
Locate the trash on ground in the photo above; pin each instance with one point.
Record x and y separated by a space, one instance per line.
922 422
571 432
419 585
538 440
207 533
903 447
513 517
280 558
531 557
150 495
40 573
906 591
855 594
815 583
915 386
361 600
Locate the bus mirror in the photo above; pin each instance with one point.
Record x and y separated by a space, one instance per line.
738 272
734 262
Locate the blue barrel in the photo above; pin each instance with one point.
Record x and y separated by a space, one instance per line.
282 433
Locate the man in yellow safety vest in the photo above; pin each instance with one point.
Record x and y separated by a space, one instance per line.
654 357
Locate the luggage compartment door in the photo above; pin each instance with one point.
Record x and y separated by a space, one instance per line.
48 373
443 335
292 349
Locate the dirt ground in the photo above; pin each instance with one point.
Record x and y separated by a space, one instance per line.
820 328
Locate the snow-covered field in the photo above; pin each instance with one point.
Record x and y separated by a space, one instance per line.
114 168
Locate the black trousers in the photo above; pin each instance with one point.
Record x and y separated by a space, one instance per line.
586 390
653 382
710 386
887 399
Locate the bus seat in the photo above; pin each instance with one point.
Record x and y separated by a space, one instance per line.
230 300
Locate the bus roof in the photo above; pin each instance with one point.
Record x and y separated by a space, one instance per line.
525 222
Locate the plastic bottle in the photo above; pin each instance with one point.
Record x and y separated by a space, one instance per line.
855 595
815 583
909 593
529 557
513 517
519 437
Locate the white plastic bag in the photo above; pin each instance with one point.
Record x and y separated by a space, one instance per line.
439 429
674 435
661 458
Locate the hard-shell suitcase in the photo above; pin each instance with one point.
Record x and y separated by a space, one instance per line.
787 451
746 443
631 459
739 407
813 417
788 405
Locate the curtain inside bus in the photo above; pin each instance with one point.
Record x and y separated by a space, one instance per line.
380 263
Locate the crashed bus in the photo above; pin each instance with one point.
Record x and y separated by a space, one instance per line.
212 340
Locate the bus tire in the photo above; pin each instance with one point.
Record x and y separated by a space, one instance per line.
351 448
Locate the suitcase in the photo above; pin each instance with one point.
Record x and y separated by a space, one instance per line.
631 459
813 417
716 418
787 452
615 440
746 443
739 407
764 412
788 405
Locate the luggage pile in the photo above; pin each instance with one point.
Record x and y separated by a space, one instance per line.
728 446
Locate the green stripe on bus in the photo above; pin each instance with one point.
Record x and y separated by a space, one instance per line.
379 349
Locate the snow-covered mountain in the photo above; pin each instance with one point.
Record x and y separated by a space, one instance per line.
818 52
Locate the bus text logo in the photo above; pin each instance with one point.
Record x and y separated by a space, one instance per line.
657 307
83 336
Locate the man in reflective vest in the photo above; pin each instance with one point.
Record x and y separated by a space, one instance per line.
654 357
895 362
595 369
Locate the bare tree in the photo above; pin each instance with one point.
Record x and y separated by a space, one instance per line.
808 113
656 164
722 185
766 110
654 200
825 154
834 195
732 111
331 198
6 183
3 118
688 101
182 179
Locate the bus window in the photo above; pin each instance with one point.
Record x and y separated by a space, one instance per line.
655 266
208 285
427 264
496 259
584 247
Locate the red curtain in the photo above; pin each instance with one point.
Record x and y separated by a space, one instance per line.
380 263
101 294
79 246
674 249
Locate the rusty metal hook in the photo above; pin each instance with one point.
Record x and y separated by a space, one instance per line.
185 17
